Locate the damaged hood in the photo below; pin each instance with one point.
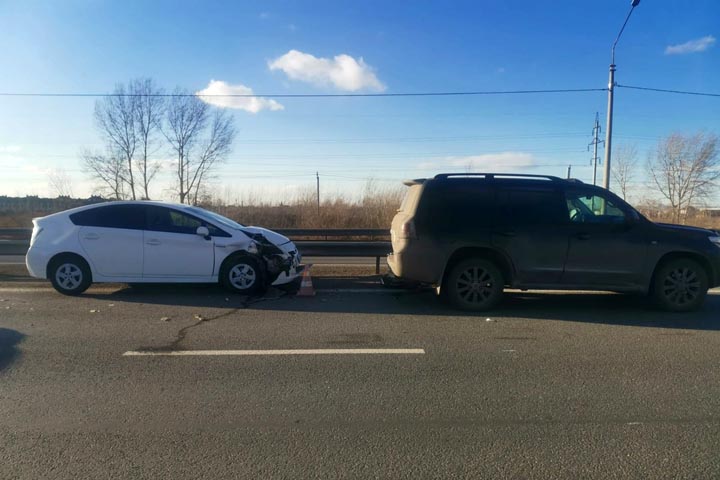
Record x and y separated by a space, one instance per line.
271 236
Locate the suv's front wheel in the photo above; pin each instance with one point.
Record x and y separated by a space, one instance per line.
680 285
474 284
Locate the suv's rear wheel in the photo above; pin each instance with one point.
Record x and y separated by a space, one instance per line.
69 274
680 285
474 284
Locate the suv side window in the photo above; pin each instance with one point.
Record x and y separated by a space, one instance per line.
163 219
528 206
130 217
588 207
460 206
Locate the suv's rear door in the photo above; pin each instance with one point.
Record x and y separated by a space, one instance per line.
531 231
607 248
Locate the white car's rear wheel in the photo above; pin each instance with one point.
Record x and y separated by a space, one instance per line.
69 274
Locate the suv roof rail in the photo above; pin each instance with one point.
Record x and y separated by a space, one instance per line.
445 176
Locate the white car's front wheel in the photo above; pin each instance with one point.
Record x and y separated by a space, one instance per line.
242 274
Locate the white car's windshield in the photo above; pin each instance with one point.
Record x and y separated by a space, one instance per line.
216 217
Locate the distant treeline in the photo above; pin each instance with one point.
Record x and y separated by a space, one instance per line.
33 203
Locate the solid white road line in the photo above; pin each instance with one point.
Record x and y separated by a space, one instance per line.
329 351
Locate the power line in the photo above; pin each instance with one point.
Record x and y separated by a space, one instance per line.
355 95
665 90
306 95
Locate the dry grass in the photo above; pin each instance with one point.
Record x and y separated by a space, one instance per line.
375 209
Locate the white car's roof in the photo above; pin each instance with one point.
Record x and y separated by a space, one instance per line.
65 213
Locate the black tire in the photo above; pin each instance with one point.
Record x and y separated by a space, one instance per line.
69 274
243 274
680 285
474 284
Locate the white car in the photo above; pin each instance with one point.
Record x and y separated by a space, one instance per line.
156 242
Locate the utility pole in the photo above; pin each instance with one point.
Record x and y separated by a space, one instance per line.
569 170
594 143
317 177
611 99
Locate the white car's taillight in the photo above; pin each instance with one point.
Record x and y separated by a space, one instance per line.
35 233
407 230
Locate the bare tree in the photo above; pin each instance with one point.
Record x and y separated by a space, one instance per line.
60 183
149 108
198 150
624 166
110 169
685 169
213 151
115 117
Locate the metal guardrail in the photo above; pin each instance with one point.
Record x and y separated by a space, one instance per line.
15 241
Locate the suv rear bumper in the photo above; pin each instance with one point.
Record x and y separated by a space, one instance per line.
415 266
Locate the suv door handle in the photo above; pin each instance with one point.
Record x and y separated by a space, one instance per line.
583 236
153 242
507 233
91 236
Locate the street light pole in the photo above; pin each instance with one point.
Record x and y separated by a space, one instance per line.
611 98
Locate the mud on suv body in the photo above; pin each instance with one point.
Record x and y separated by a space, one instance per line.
475 234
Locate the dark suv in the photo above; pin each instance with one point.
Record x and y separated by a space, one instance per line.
474 234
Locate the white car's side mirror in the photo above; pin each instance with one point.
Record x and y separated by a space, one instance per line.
203 232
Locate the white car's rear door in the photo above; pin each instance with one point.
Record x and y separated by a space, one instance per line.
112 238
172 248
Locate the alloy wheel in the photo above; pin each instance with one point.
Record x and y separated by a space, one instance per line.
69 276
475 285
242 276
681 286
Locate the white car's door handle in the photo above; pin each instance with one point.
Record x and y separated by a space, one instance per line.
91 236
153 242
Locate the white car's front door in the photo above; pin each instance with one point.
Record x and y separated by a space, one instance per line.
172 248
112 237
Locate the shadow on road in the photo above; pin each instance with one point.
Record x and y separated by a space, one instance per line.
598 308
8 347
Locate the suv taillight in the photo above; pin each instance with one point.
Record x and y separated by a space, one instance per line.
408 230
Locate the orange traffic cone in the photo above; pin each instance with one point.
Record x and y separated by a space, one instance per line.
306 286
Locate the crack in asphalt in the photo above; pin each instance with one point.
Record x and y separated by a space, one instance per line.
183 332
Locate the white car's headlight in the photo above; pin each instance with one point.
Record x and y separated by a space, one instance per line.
715 239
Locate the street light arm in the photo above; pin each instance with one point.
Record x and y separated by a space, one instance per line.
617 39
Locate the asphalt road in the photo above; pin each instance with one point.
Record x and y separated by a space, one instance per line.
547 386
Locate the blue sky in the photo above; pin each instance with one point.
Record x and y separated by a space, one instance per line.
89 46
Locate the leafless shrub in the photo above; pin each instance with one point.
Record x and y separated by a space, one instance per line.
685 170
624 166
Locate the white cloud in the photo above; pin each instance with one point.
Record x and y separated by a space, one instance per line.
343 71
10 148
693 46
248 103
487 162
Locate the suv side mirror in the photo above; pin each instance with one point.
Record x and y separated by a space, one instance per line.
203 232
